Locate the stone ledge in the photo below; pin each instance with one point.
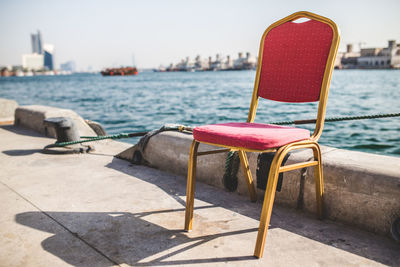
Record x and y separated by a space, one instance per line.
32 117
361 189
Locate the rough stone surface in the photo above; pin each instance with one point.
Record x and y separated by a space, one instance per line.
96 127
361 189
32 117
96 210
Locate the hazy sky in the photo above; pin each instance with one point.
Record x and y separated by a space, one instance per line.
108 33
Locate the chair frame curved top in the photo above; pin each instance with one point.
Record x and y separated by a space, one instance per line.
282 151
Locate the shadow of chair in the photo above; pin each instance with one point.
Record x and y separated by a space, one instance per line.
120 237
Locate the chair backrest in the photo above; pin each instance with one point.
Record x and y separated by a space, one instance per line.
295 62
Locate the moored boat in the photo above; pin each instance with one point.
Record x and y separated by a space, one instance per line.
119 71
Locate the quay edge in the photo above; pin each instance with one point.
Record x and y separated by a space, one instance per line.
361 189
33 117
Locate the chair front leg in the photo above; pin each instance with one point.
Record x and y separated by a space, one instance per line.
191 181
247 174
319 180
268 203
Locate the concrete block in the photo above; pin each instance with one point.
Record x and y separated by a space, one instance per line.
361 189
170 151
32 117
7 110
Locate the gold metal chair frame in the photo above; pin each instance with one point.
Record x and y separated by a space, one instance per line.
281 152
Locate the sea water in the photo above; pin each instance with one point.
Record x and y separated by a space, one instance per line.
145 102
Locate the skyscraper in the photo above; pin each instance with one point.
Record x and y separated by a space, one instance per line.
36 40
48 56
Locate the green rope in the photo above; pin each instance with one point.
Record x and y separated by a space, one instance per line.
188 129
232 163
97 138
377 116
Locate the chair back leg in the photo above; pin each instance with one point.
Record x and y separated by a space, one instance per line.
191 181
247 174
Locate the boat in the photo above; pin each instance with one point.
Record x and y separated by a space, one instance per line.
120 71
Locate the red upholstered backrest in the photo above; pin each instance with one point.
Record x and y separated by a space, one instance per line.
293 61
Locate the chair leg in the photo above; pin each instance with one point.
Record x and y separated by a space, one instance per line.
319 181
247 175
191 181
267 206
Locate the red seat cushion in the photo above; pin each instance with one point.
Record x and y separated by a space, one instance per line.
249 135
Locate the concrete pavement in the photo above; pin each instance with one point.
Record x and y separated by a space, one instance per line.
96 210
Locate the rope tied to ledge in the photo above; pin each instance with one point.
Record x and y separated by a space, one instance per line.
181 128
142 142
349 118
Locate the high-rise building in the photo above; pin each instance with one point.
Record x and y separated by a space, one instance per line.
42 57
48 54
36 40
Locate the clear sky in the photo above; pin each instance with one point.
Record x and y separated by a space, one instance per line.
107 33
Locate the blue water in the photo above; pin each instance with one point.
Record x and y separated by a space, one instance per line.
149 100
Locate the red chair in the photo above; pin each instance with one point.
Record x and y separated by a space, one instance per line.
295 64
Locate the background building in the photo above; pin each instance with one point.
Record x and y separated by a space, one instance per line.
42 57
380 58
69 66
36 40
48 54
370 58
245 63
32 61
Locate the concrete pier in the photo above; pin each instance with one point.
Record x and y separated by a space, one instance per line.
97 210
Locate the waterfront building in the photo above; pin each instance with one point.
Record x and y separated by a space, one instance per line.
220 63
370 58
217 64
348 59
201 65
228 64
32 61
184 65
48 56
244 63
380 58
36 40
68 66
42 57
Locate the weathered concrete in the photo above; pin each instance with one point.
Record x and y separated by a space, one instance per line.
7 110
32 117
361 189
96 210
